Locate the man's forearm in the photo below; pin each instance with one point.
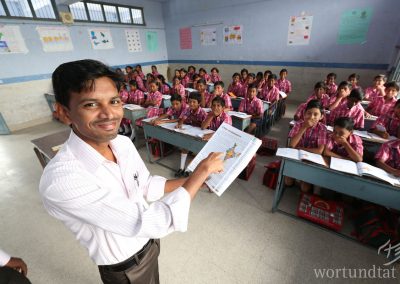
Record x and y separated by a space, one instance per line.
173 184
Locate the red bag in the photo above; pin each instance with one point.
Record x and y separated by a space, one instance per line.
248 170
271 175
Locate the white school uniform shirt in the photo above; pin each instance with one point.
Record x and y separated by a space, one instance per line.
103 203
4 258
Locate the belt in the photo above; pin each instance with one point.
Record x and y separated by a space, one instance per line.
134 260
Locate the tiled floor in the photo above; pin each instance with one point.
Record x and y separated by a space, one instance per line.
231 239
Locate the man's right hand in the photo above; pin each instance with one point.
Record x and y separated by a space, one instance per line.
17 264
213 163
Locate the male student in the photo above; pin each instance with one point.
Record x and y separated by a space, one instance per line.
98 185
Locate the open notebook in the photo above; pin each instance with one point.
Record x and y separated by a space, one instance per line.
296 154
238 148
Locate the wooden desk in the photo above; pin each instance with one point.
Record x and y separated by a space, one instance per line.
180 140
364 188
43 146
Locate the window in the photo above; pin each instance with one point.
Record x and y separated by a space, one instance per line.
78 11
99 12
35 9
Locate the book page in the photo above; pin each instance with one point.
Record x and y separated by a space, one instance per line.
132 106
369 170
239 114
193 131
282 94
290 153
362 134
238 148
345 166
170 126
315 158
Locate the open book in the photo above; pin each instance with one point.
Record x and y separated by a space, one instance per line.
186 129
132 106
238 148
361 169
239 114
296 154
372 136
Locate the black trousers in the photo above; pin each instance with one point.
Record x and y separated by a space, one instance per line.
12 276
145 272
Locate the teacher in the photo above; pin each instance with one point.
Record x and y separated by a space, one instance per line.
99 186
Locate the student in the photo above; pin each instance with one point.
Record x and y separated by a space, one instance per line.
377 90
196 78
284 84
331 87
191 72
194 115
387 124
251 78
206 97
254 106
174 111
243 75
123 93
385 104
388 156
177 73
216 117
185 79
342 143
270 93
215 77
138 68
236 86
136 96
351 107
259 80
153 100
343 91
139 80
203 74
129 73
154 70
219 92
353 79
309 135
119 72
178 88
320 95
149 78
165 88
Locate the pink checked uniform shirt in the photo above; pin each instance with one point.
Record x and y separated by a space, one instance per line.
227 99
354 141
269 94
254 106
379 106
390 121
371 93
356 113
217 121
180 90
325 100
312 137
194 118
135 97
175 114
284 85
215 78
390 153
331 89
235 89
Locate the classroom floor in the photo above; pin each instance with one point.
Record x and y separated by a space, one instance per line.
231 239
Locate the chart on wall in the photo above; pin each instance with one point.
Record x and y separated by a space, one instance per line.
354 25
233 34
299 32
152 41
55 39
208 36
11 40
185 38
133 40
100 38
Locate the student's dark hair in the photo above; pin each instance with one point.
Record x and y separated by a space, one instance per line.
357 94
191 66
252 75
392 84
183 70
235 74
79 76
259 74
331 75
380 76
195 96
150 75
118 69
138 65
397 105
252 86
202 69
202 81
272 76
153 66
176 97
135 71
244 70
219 83
269 72
354 75
128 67
283 70
215 68
175 77
219 100
133 83
319 84
157 84
315 104
196 76
344 122
162 78
344 84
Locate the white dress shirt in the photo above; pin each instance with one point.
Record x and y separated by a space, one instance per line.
103 203
4 258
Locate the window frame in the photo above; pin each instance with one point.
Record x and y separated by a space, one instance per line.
34 17
104 15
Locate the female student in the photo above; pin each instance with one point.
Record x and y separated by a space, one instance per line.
215 77
309 135
149 78
351 107
387 124
219 92
153 100
165 88
191 72
136 96
259 80
377 90
139 80
203 74
236 86
138 68
154 71
343 91
185 79
331 86
388 156
284 84
129 73
178 88
194 115
353 79
174 111
270 93
206 97
196 78
254 106
243 75
216 117
385 104
123 93
342 143
251 78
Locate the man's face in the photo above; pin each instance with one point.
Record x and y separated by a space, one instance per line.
95 115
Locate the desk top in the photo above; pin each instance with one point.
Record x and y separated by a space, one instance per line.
46 143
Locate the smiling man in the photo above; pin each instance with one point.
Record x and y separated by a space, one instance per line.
99 186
